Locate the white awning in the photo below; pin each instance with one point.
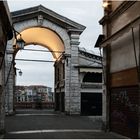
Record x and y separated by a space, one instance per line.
96 70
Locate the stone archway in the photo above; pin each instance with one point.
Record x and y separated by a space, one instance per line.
44 37
63 35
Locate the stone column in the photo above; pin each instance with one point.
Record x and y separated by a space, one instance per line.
2 93
9 96
104 115
72 83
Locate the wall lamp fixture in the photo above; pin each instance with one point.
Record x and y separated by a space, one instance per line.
106 5
20 72
19 41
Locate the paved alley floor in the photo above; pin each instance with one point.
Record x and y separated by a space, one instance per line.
47 124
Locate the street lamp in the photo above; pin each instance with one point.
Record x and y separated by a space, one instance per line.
107 5
20 43
20 72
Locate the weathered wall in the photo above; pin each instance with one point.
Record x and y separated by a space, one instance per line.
121 20
120 66
5 34
122 51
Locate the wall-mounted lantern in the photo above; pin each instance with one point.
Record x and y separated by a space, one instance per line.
20 43
107 5
20 72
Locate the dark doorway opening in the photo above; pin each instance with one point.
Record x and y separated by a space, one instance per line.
91 104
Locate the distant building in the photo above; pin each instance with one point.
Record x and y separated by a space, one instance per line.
34 93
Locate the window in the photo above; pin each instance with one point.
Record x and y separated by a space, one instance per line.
93 77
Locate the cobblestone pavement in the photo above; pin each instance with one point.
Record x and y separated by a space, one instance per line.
47 124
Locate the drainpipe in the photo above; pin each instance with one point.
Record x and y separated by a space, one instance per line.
139 89
107 50
138 73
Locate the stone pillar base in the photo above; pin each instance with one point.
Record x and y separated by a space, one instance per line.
72 113
10 113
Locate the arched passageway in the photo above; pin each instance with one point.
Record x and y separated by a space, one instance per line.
44 37
39 25
37 66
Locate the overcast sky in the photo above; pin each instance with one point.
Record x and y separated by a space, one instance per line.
85 12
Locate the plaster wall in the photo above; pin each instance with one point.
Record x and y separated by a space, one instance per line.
122 51
125 18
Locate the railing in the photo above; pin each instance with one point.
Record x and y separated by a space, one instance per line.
41 105
92 85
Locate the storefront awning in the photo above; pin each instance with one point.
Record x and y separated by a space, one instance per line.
96 69
91 70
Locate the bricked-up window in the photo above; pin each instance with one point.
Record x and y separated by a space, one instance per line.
93 77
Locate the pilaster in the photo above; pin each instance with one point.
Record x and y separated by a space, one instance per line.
72 90
2 93
9 76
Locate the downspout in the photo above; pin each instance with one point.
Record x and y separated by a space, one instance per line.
138 74
139 88
108 59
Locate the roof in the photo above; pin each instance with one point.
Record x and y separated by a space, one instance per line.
33 12
90 55
99 40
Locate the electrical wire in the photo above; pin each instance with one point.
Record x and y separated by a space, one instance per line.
43 50
33 60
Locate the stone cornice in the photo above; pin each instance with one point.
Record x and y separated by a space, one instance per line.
48 14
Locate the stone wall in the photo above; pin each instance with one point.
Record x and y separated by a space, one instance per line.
10 74
6 34
69 33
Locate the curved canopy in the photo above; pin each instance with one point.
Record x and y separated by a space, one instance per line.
44 37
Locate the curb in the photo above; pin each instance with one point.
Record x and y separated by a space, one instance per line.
1 136
119 135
